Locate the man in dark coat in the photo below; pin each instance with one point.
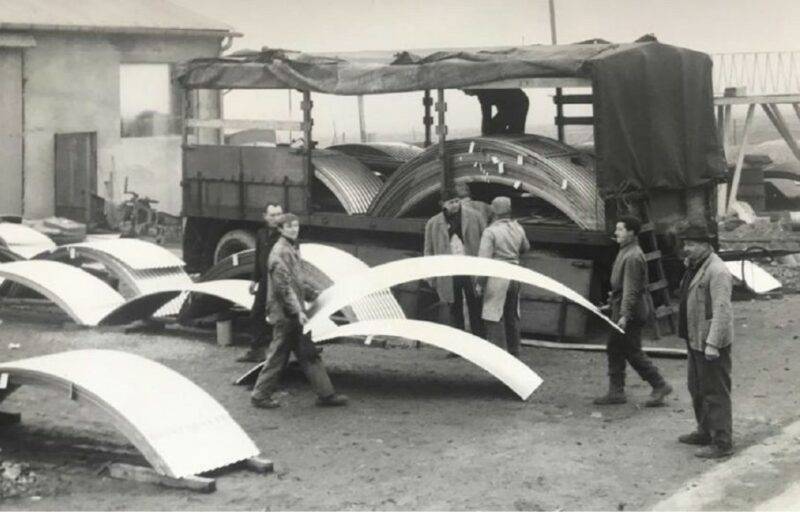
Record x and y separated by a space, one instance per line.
288 289
706 323
456 230
512 110
631 307
260 330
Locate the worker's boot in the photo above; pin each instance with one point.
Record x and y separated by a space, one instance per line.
616 392
658 394
333 400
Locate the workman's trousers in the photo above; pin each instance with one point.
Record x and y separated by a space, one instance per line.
627 348
260 329
288 337
506 332
709 385
463 287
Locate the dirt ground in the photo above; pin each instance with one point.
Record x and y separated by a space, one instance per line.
422 431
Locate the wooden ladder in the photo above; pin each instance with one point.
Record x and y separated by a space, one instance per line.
658 286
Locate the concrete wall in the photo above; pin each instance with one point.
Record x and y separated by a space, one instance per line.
72 85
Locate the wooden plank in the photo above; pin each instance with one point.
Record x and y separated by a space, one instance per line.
149 475
672 353
535 83
259 465
245 124
652 256
753 100
574 120
574 99
658 285
737 174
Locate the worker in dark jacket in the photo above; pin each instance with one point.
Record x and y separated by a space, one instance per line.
288 289
456 230
463 192
706 323
631 307
512 110
260 330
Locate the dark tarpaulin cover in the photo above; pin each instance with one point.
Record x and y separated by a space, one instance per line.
654 120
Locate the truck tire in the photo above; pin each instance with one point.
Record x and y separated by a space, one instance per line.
232 242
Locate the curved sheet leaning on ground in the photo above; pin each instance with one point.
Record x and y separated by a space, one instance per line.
561 175
85 298
510 370
23 240
140 267
179 428
412 269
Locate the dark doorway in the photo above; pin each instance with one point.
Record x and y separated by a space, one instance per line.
75 174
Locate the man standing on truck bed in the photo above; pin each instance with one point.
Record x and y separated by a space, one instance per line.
261 331
456 230
631 307
504 240
706 323
288 288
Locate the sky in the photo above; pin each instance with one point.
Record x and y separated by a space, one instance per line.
711 26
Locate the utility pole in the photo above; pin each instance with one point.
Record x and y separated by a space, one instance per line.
362 122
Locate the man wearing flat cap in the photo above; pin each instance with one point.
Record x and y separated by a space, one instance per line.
504 240
706 323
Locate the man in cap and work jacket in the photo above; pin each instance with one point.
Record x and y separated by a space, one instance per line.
631 307
288 288
706 323
504 240
456 230
261 331
463 193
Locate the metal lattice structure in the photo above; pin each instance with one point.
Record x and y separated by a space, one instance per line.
759 72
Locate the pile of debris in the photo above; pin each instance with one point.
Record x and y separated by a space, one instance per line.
16 479
773 235
787 271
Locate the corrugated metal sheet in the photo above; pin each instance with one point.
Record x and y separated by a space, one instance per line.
85 298
136 254
351 182
384 157
23 240
104 15
510 370
412 269
555 172
179 428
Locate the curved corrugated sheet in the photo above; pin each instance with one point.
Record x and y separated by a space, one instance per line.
353 184
384 157
555 172
178 427
23 240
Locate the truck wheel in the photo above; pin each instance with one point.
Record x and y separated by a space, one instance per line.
232 242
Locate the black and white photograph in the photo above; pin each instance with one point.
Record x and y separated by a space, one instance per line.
512 255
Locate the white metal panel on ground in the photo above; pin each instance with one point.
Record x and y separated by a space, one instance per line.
179 428
24 240
139 308
391 274
754 277
84 297
339 265
232 290
510 370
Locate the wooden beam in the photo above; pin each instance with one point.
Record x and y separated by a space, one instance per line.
535 83
750 100
672 353
574 120
441 129
574 99
245 124
780 123
149 475
259 465
796 107
737 173
427 119
362 121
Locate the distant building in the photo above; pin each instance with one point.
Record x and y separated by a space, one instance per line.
86 99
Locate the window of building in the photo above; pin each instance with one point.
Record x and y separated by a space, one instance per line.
147 101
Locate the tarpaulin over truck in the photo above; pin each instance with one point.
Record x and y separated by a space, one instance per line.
653 103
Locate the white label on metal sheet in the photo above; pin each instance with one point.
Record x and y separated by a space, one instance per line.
3 380
235 260
472 146
520 160
564 185
501 168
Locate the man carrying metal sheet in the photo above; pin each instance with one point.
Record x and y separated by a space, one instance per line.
706 323
288 288
260 330
456 230
503 240
631 307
